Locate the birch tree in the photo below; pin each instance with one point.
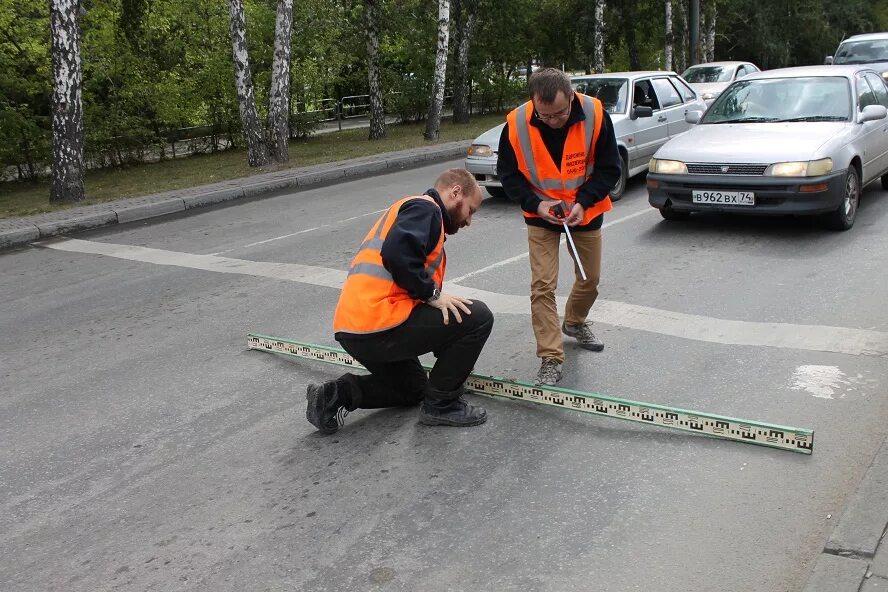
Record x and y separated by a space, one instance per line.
628 22
433 122
598 36
377 107
707 32
257 151
67 102
279 97
680 24
465 14
670 39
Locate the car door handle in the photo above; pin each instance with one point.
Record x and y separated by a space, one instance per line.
661 119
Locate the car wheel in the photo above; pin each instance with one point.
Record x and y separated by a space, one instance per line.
617 192
496 192
843 217
670 214
885 182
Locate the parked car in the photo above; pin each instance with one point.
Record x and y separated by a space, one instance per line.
870 49
790 141
646 108
711 78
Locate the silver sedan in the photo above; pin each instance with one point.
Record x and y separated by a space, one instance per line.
790 141
712 78
646 108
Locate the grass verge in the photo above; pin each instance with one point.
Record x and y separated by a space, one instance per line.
27 198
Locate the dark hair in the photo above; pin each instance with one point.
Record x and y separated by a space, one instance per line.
546 82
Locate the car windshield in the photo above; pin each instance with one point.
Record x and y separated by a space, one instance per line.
704 74
862 52
815 98
612 92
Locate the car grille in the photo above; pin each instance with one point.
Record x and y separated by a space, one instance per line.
726 169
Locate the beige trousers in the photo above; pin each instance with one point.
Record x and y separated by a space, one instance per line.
542 246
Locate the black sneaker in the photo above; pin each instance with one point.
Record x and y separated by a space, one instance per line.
585 337
457 413
325 409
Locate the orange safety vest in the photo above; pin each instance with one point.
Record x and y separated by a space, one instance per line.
371 301
577 159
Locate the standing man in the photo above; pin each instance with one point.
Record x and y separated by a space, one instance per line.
392 309
559 147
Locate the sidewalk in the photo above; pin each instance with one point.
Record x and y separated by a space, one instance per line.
16 232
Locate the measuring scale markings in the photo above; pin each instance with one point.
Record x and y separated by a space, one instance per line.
728 428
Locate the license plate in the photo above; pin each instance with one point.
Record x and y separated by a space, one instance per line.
730 198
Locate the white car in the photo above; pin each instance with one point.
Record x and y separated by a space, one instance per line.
870 49
790 141
711 78
646 108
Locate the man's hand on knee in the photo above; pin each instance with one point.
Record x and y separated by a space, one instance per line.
450 303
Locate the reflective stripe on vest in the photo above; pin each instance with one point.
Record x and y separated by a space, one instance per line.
371 301
547 180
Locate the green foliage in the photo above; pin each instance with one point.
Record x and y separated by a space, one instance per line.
25 88
155 66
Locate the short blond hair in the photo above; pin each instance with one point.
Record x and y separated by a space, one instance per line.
460 177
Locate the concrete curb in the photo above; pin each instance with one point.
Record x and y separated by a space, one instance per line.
16 232
836 574
854 552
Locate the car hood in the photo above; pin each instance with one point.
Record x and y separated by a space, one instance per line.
710 87
491 137
764 143
877 66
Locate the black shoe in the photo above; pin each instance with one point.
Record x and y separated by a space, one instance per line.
457 412
325 409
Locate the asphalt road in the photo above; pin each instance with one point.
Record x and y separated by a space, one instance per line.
145 448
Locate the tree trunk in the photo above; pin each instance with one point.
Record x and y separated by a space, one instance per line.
465 25
377 108
433 123
67 104
257 151
709 14
598 36
279 95
631 43
670 40
679 16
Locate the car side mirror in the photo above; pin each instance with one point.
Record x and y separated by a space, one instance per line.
872 113
642 111
693 116
828 61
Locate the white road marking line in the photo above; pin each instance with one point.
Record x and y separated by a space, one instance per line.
524 254
269 240
687 326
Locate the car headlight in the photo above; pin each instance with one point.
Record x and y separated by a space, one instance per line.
480 150
804 168
707 96
668 167
885 75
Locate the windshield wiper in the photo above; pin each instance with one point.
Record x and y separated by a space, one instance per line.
817 118
746 120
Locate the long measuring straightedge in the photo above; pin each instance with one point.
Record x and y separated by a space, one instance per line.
729 428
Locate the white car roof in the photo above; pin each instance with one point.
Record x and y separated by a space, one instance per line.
866 37
802 71
637 74
728 63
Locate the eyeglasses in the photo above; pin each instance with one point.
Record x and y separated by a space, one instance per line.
553 116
